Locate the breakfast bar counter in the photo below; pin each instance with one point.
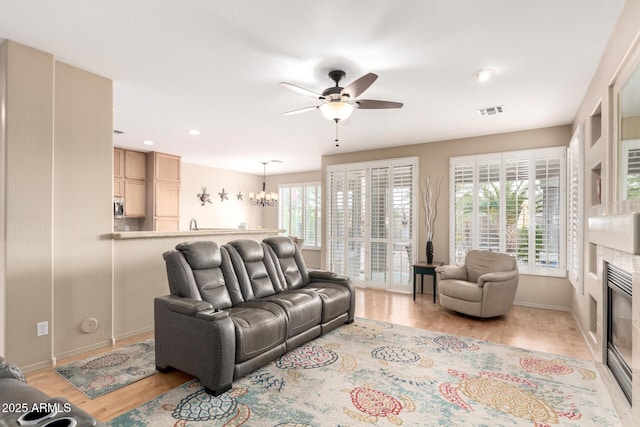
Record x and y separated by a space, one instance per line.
233 233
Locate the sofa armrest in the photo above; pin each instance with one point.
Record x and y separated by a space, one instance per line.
499 276
195 338
457 272
327 276
188 306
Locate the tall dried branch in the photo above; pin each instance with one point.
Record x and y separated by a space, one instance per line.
430 189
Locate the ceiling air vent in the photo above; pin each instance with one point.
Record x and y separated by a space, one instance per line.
490 111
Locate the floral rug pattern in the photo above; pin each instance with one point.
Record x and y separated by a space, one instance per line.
373 373
110 371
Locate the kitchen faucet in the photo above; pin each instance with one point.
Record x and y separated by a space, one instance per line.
193 225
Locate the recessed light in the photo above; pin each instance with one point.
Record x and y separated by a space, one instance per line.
147 142
194 132
484 74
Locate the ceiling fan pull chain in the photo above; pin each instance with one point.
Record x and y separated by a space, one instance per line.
337 144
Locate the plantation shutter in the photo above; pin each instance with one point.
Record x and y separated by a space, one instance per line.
370 221
379 244
547 215
356 217
402 222
296 203
488 202
462 207
336 224
517 221
312 215
574 211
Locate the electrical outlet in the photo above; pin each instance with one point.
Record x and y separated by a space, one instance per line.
43 328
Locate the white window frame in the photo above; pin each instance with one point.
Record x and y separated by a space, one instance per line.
457 254
282 188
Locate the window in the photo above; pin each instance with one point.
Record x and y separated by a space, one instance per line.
300 212
513 203
370 228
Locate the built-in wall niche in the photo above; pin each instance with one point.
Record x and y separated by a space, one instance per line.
593 258
596 185
596 124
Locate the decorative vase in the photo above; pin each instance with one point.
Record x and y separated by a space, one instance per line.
429 252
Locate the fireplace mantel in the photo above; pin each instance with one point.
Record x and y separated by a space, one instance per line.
620 232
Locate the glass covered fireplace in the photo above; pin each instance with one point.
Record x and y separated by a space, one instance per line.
619 329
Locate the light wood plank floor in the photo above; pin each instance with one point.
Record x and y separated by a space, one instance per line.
531 328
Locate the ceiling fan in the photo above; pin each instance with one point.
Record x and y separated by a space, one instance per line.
339 102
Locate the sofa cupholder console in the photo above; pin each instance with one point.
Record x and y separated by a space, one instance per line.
236 307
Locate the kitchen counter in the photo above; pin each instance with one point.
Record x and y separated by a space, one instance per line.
196 233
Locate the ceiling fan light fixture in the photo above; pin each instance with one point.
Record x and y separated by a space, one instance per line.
336 110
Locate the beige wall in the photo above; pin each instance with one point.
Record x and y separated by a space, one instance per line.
57 135
82 257
227 214
28 197
630 128
434 160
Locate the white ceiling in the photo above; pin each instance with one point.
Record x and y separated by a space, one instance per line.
215 66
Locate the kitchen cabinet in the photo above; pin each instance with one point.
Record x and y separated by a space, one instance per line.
167 199
166 168
163 192
135 198
118 187
135 165
129 181
118 163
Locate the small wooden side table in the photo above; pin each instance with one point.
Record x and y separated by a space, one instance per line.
423 268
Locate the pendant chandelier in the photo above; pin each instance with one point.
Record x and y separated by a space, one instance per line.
262 198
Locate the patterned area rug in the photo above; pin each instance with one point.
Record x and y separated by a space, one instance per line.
374 373
107 372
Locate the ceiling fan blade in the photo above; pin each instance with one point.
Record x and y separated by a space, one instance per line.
372 104
302 90
301 110
356 88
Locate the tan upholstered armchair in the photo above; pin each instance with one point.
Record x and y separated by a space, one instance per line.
484 286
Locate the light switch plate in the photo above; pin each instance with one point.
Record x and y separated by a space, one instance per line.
43 328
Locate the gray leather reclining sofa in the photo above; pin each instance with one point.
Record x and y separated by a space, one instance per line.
234 308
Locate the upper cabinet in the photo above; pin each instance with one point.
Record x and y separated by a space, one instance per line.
135 165
129 181
166 167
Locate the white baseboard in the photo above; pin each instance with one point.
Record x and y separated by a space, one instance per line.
548 307
133 333
85 349
37 366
